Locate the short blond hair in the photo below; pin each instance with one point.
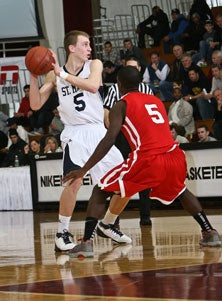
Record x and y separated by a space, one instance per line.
72 37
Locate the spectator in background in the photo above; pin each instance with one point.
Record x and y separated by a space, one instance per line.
217 57
187 63
110 54
3 122
193 33
3 146
205 50
22 133
217 40
41 119
51 145
131 50
217 126
109 75
202 8
35 147
16 148
177 73
56 126
156 26
109 72
156 73
198 85
178 26
216 71
203 134
181 112
175 134
24 112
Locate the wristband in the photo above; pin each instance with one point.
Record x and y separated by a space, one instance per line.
63 74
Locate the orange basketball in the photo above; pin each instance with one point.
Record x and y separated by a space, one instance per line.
39 60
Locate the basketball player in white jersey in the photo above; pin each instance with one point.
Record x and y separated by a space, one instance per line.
81 111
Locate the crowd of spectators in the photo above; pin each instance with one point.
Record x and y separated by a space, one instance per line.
29 132
195 42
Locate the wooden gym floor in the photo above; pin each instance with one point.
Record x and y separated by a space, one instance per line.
164 261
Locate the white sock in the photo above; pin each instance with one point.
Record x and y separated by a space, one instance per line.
63 223
109 218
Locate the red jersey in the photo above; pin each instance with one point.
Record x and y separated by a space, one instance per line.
24 106
147 130
155 161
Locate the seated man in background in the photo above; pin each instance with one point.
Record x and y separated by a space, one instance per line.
131 50
156 26
24 112
3 146
203 57
41 119
156 74
178 26
203 134
216 71
181 112
217 126
198 85
3 122
174 129
17 148
109 75
23 134
56 126
193 33
110 54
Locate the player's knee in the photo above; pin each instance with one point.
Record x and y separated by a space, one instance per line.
75 185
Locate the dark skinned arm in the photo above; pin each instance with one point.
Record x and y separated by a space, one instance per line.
116 117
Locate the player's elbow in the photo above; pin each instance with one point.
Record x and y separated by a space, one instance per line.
35 107
93 88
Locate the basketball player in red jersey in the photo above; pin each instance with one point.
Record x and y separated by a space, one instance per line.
156 161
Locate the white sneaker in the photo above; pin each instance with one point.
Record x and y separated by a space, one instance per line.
63 242
109 231
201 64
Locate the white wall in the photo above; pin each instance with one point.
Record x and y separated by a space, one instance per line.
54 23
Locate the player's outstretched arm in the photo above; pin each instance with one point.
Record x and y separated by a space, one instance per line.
39 96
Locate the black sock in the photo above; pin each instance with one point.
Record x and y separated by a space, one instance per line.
203 221
90 227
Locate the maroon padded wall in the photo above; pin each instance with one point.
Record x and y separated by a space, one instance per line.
78 15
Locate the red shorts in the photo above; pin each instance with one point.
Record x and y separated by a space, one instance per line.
164 173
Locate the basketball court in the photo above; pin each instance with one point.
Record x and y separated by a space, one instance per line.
164 261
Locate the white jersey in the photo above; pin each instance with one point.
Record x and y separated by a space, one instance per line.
82 114
76 106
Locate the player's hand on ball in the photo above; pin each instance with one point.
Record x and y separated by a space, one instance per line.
55 65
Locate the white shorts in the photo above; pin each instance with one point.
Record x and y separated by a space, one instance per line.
82 141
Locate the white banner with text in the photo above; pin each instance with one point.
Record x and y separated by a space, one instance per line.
204 176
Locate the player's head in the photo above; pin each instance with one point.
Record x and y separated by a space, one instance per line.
128 79
71 38
132 61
